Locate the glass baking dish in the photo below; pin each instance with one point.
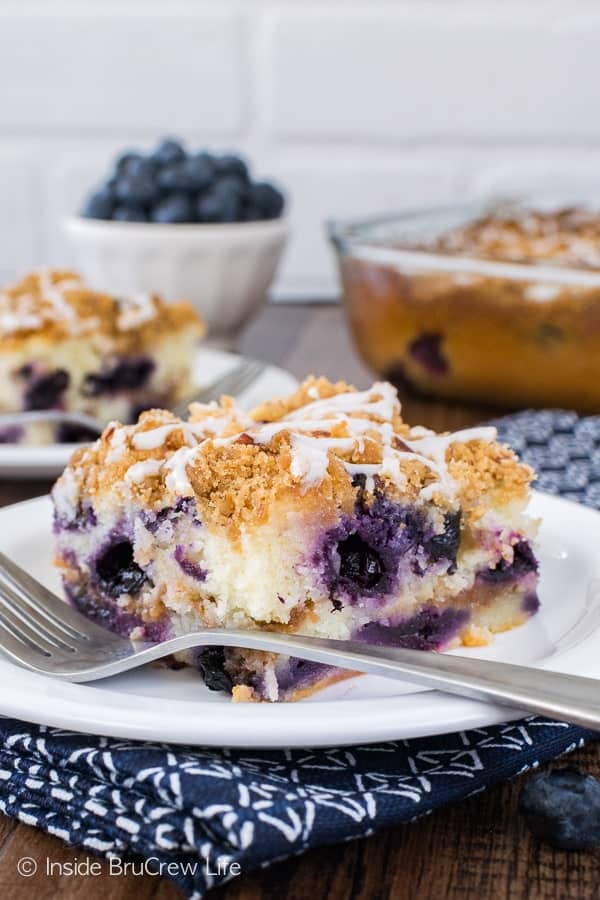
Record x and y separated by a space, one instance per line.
471 327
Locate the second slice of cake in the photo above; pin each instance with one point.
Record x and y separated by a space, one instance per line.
323 514
64 346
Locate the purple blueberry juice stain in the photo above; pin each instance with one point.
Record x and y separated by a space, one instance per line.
184 506
295 673
105 612
430 629
364 554
188 566
427 351
83 519
524 562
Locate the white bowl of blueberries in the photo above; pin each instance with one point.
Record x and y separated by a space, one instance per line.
187 225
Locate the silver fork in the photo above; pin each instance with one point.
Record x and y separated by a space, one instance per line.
234 383
42 633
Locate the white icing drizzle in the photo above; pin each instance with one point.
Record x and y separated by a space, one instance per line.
177 479
333 425
141 470
12 320
430 449
135 310
118 444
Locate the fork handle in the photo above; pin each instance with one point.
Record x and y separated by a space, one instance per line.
569 698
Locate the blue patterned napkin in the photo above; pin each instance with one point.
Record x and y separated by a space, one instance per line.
202 816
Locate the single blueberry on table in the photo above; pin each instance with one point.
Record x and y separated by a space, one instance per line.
117 571
211 662
173 209
45 391
562 807
168 151
99 205
129 214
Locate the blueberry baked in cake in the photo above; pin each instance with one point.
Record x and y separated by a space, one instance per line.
323 514
64 346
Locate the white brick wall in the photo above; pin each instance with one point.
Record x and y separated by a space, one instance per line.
357 107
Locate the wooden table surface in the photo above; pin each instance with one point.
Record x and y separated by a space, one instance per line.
477 850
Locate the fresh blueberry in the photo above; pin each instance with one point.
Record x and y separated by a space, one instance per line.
136 190
211 662
124 161
562 807
231 165
219 206
44 392
266 199
360 564
204 166
140 167
251 212
99 205
173 209
230 184
129 214
117 571
186 175
168 151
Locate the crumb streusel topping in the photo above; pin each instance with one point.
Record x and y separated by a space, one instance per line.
319 440
568 237
58 304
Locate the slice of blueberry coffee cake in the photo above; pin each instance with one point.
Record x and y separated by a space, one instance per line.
64 346
323 514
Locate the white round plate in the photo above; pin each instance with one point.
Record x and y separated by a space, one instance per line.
158 704
48 460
